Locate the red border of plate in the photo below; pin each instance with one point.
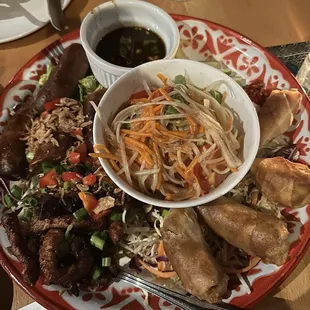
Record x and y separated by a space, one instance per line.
48 300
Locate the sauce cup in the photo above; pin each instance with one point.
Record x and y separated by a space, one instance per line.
112 15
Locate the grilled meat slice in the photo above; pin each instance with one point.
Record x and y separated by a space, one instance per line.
62 222
116 231
28 259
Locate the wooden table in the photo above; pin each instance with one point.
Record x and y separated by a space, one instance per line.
269 22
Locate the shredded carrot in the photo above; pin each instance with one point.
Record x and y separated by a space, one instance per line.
224 96
146 157
105 156
157 273
154 94
101 147
201 129
167 132
192 165
165 94
157 108
162 78
115 166
161 252
233 169
160 166
192 124
136 133
229 121
137 143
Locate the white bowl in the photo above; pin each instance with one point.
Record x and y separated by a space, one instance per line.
108 17
200 75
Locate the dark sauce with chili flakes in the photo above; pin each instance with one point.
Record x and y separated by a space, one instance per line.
131 47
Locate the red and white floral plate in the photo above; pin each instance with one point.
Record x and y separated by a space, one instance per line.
200 40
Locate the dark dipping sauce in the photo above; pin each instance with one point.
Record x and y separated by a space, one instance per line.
131 47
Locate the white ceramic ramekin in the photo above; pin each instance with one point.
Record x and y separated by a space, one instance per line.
200 75
110 16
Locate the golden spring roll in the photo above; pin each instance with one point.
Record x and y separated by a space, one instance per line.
277 113
190 257
282 181
256 233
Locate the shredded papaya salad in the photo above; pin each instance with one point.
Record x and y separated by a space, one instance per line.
178 139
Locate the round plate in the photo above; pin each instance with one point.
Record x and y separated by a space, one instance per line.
200 40
20 18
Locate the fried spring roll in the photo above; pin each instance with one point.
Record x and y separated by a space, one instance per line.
277 113
190 257
256 233
282 181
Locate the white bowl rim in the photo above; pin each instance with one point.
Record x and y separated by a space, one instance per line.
184 203
84 26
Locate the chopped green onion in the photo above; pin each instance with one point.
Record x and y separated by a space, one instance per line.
44 77
30 201
67 233
61 168
67 185
107 186
106 261
97 271
164 213
17 192
98 239
47 166
8 201
216 95
25 214
35 181
227 71
171 110
180 79
126 126
30 156
80 214
115 216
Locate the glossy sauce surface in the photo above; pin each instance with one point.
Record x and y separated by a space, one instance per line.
131 47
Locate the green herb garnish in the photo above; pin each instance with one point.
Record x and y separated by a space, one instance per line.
180 79
216 95
17 192
8 201
171 110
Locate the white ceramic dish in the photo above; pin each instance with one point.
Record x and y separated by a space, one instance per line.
200 75
110 16
20 18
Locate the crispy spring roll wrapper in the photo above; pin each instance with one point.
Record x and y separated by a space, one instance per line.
256 233
190 257
277 113
282 181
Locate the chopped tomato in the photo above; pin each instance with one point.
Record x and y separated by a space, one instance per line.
89 179
202 180
49 106
140 94
90 202
74 158
71 177
49 179
82 150
77 132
